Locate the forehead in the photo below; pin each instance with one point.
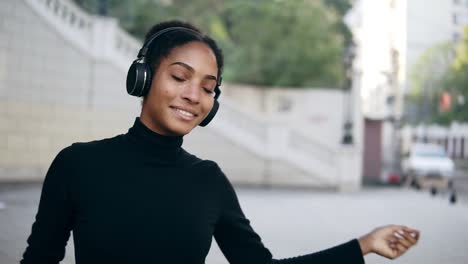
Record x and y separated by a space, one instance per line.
196 54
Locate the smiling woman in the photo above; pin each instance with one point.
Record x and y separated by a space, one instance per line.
140 197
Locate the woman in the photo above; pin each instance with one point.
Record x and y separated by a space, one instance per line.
140 198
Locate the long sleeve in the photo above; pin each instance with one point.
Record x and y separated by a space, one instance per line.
241 245
51 229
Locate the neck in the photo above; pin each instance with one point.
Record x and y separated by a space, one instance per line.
154 143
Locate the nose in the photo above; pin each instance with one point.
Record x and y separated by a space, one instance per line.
191 93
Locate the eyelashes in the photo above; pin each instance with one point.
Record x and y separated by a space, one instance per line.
177 79
208 91
180 80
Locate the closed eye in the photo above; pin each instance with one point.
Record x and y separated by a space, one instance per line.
178 79
208 91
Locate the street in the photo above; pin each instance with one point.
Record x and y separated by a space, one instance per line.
294 222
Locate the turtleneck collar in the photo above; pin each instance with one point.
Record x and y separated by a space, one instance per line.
167 146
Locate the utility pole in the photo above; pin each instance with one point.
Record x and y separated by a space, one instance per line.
395 105
348 59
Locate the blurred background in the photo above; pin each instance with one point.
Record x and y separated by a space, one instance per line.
322 102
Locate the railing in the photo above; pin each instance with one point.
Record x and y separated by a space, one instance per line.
125 44
313 148
125 48
99 37
277 141
67 14
249 122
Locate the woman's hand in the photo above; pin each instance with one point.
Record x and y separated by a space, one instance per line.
389 241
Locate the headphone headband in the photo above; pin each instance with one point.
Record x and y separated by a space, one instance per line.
144 49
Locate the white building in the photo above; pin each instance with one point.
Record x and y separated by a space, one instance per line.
391 35
406 28
371 23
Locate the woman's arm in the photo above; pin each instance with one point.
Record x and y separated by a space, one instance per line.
241 244
51 230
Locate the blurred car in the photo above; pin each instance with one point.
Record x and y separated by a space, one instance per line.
428 165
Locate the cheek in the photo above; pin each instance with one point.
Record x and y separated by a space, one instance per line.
207 105
163 92
164 95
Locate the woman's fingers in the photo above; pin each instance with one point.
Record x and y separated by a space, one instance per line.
404 243
400 239
410 237
406 232
403 239
391 241
395 250
412 232
400 249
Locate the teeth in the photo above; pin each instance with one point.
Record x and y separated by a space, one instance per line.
185 113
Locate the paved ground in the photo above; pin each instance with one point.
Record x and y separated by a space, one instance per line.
297 222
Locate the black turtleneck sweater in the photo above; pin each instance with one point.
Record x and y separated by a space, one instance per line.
140 198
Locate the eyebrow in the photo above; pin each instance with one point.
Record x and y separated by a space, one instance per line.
188 67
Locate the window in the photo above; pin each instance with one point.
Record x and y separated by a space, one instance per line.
455 37
456 2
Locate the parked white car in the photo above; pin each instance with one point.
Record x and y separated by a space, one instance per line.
428 165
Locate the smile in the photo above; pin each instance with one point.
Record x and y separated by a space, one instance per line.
184 114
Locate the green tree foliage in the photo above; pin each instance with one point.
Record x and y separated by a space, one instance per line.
443 68
429 73
284 43
266 42
341 7
427 80
458 80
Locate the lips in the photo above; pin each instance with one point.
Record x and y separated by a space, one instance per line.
184 113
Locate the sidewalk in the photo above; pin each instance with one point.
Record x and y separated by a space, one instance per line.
297 222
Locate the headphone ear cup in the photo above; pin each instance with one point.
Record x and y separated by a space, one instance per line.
138 79
211 114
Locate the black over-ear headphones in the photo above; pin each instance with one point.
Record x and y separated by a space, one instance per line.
139 74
